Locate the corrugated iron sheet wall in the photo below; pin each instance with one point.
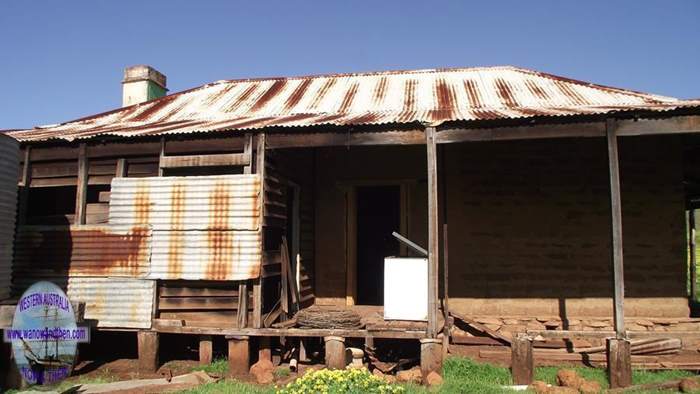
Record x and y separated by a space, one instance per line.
115 302
46 251
9 168
204 228
98 265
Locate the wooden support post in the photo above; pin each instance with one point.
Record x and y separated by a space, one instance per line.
161 156
24 189
619 357
206 349
433 233
303 355
430 356
284 292
335 352
148 351
248 150
121 168
258 301
445 296
238 355
243 305
693 257
351 246
616 223
82 184
522 361
264 349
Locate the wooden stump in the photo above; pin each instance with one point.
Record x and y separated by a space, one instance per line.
264 349
206 349
522 363
335 352
238 355
619 357
430 356
148 351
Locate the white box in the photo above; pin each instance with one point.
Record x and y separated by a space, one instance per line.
406 288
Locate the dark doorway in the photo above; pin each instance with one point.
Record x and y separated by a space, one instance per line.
378 214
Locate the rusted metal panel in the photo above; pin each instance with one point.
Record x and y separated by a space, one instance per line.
114 302
204 227
81 251
206 255
431 96
218 202
9 168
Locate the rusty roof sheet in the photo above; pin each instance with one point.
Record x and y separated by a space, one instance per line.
428 96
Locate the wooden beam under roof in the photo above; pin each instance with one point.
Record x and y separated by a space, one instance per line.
228 159
304 139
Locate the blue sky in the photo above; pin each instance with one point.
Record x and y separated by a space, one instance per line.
60 60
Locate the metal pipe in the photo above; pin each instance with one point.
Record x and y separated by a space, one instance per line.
410 243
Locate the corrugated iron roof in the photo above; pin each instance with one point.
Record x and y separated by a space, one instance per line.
428 96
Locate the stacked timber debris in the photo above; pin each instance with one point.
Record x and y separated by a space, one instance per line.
568 381
647 353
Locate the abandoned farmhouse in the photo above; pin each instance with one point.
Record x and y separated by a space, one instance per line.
549 209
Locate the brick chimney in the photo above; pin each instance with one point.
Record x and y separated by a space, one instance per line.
142 83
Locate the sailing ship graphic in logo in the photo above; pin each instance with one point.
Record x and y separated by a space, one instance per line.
44 334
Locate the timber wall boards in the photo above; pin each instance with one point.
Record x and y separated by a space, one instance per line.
338 170
529 228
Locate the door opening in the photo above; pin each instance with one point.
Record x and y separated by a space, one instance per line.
378 214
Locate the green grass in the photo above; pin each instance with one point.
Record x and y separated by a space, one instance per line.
464 375
281 372
230 386
218 367
461 375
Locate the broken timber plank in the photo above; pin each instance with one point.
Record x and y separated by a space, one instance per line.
481 328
